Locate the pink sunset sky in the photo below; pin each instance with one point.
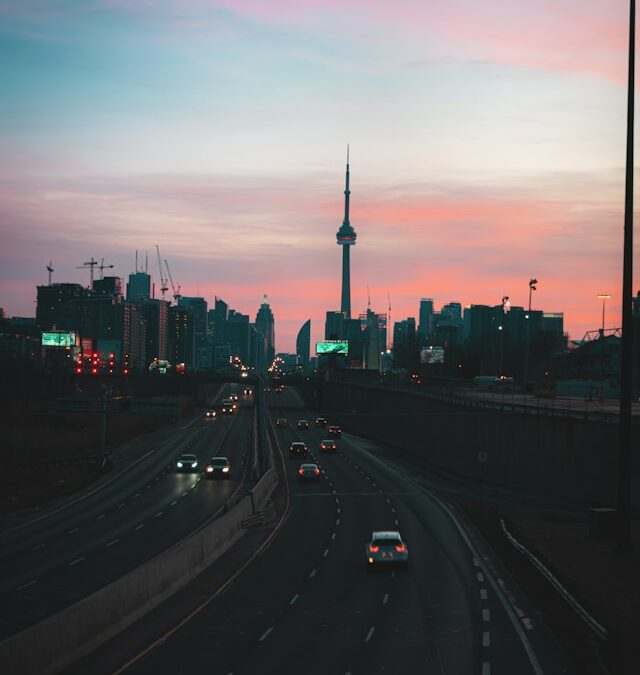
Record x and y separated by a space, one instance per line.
487 147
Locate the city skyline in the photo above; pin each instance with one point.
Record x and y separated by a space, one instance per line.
484 152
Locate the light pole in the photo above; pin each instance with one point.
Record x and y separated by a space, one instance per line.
604 297
532 287
505 308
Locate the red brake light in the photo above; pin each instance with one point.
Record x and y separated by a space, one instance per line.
316 471
301 472
374 549
401 549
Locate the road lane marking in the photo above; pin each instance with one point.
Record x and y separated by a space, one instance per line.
486 638
101 516
75 562
333 536
313 573
158 514
73 531
486 668
326 552
137 494
39 546
476 562
370 633
122 504
388 500
115 541
385 600
155 480
147 486
294 599
337 501
479 576
266 634
483 594
184 494
174 502
393 574
396 521
338 510
139 527
29 583
486 615
338 521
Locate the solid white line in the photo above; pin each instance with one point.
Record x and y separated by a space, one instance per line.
370 633
266 634
111 543
313 573
174 502
486 615
35 548
294 598
326 551
139 527
479 576
483 594
101 516
486 668
29 583
385 600
486 638
121 505
75 562
73 531
158 514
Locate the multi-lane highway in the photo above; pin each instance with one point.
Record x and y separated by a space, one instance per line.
146 508
307 603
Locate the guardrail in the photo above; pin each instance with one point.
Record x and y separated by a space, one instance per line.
60 640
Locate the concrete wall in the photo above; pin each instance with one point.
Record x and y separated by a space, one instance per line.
559 457
51 645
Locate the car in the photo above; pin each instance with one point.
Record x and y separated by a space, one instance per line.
233 397
227 407
186 464
386 549
210 413
280 389
302 424
281 423
335 431
217 467
309 472
248 392
298 449
328 445
321 421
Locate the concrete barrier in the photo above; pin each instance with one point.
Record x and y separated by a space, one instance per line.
60 640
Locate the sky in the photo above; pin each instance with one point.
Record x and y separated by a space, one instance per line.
487 146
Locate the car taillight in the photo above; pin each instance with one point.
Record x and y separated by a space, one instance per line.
374 549
317 472
301 472
400 549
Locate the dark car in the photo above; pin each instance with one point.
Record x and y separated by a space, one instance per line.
335 431
386 549
309 472
281 423
302 424
280 389
217 467
210 413
187 464
228 407
233 397
248 392
298 449
328 445
321 421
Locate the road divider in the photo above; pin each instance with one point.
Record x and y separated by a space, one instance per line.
53 644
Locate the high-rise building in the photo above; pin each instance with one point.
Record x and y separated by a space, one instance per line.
237 333
156 316
303 344
405 348
425 318
334 326
108 286
139 287
266 325
346 237
217 320
198 305
56 307
181 336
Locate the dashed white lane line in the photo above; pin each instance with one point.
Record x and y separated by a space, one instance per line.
122 504
483 594
29 583
396 522
337 501
338 510
147 486
115 541
39 546
294 599
486 615
266 634
174 502
101 516
486 668
313 573
334 492
476 562
333 536
385 600
184 494
137 494
338 521
479 576
155 480
393 574
139 527
158 514
370 633
486 638
388 500
73 530
75 562
326 553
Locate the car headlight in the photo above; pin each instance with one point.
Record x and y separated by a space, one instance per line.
209 469
194 465
225 469
179 465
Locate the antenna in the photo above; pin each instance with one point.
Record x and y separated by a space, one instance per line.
136 261
146 262
50 270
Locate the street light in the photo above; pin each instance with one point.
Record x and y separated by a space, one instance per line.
506 306
532 287
604 297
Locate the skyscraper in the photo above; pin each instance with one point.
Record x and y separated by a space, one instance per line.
426 317
346 237
303 344
266 325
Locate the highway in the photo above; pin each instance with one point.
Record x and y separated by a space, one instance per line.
146 508
308 605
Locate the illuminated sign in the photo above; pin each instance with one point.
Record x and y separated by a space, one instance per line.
432 355
58 339
332 347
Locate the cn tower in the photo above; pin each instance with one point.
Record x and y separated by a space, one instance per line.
346 237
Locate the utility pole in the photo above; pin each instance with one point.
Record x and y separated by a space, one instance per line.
532 287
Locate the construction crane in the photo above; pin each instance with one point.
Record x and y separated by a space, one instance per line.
176 291
50 270
90 264
103 267
163 281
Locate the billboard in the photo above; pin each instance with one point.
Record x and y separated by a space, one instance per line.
58 339
332 347
432 355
